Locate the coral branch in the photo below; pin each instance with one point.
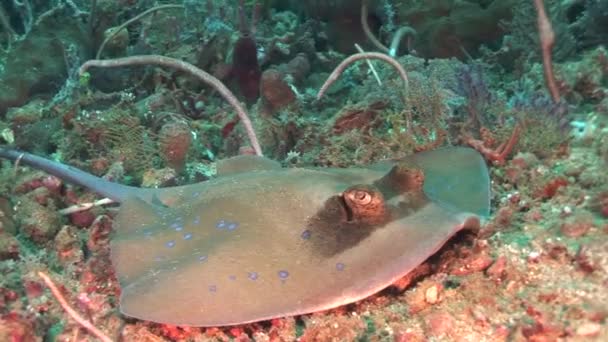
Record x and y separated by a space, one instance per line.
188 68
367 30
497 156
370 65
131 21
364 55
404 31
71 312
547 39
85 206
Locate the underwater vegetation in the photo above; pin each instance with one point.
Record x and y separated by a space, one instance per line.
369 170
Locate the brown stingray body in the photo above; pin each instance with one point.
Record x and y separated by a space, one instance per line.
260 241
275 242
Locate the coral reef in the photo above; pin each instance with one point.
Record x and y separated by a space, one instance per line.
536 271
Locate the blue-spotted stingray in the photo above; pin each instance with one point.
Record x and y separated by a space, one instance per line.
261 241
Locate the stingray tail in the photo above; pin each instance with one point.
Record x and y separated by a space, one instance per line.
114 191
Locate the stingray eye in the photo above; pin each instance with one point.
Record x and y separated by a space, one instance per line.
362 197
363 204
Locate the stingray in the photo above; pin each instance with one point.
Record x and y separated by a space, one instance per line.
260 241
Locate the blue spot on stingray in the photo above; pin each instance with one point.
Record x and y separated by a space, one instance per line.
177 226
252 275
340 266
197 220
225 225
202 258
170 244
283 274
305 234
147 232
212 288
158 258
195 194
187 236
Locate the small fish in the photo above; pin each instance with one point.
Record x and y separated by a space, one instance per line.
261 241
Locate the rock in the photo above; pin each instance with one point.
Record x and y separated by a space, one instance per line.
588 329
37 64
577 225
439 324
276 92
9 246
159 178
68 246
431 295
38 223
14 327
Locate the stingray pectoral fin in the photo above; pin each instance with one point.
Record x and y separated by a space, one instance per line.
139 228
136 214
271 272
245 163
456 178
395 250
